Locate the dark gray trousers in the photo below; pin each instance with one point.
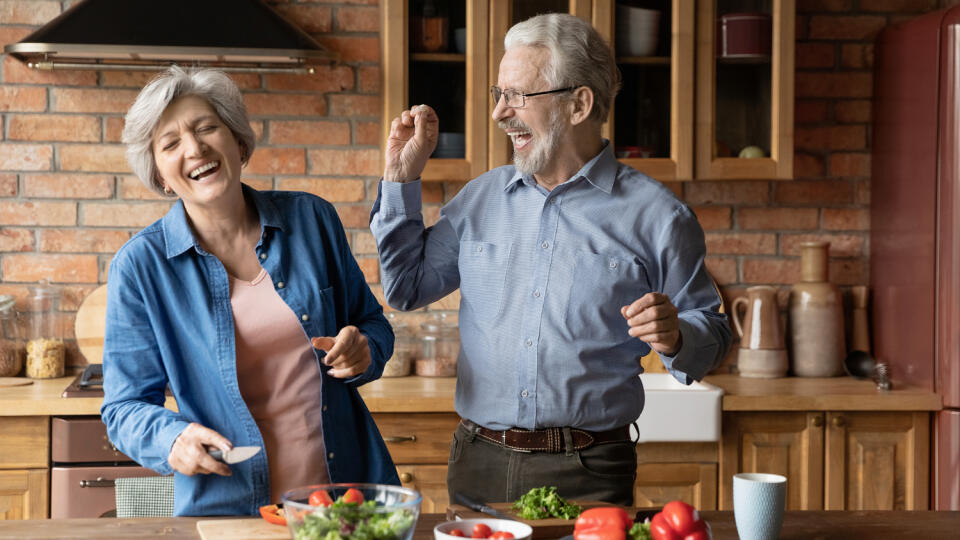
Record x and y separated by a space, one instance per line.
488 472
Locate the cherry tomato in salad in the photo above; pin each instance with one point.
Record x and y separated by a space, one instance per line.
455 532
481 530
502 534
352 495
319 498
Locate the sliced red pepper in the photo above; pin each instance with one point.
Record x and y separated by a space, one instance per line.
273 513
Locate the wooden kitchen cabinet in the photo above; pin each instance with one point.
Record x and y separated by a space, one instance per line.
832 460
672 471
24 476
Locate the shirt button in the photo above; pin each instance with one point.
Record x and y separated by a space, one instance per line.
280 284
537 293
528 343
524 394
613 264
304 317
545 244
263 256
324 408
330 455
479 249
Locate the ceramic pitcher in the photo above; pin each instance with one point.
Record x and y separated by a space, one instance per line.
762 351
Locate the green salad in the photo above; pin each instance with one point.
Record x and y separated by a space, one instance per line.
343 520
544 502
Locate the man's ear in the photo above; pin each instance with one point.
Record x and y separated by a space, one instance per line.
582 104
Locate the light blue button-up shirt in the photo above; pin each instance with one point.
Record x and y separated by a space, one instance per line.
170 322
542 277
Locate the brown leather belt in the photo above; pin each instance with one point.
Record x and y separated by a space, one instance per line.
547 439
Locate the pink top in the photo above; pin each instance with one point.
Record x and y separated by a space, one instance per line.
280 382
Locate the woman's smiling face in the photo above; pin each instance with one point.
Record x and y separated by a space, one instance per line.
196 154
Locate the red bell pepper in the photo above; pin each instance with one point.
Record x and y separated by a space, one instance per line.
678 521
273 513
604 523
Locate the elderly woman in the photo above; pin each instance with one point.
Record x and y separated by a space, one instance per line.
218 300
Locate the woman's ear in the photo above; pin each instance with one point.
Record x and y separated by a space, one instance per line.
582 104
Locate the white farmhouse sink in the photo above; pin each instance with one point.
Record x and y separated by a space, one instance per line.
674 412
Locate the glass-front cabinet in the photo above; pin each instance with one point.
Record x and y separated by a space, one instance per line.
707 85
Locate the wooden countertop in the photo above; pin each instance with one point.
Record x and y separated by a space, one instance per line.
796 525
428 394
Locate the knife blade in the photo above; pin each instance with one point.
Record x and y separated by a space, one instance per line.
477 506
234 455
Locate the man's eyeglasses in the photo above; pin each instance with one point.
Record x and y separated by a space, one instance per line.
516 99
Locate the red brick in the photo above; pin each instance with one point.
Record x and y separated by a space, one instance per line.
114 129
309 132
68 186
16 240
842 137
369 77
370 266
810 112
354 216
354 105
20 98
273 104
741 243
863 191
35 12
815 55
814 6
840 27
8 185
99 100
367 133
25 157
352 162
257 127
363 242
801 27
850 164
313 19
771 271
80 240
38 213
73 295
732 192
853 111
331 189
846 219
272 161
777 218
722 269
130 187
139 79
713 217
826 192
122 214
353 48
15 71
358 19
324 79
93 158
259 183
856 56
807 166
854 84
841 245
901 6
849 272
13 34
55 268
431 192
53 127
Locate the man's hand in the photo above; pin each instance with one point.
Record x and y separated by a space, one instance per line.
653 319
413 136
189 453
348 355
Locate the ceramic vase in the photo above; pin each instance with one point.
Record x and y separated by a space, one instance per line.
762 351
816 317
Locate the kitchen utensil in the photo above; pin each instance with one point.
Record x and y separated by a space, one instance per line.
859 364
241 529
234 455
473 504
758 501
396 508
89 324
520 530
762 351
744 35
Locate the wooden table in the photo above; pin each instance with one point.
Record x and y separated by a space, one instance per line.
797 525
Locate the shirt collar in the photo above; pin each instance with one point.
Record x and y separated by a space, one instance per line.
600 171
178 236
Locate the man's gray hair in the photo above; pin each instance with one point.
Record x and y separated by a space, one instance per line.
579 56
212 85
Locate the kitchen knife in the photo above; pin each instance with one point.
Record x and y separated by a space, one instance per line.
234 455
477 506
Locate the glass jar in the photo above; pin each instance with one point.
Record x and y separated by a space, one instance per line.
45 354
404 348
11 359
439 347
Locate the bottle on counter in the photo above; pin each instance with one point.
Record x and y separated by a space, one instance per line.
11 357
404 348
439 347
816 317
45 351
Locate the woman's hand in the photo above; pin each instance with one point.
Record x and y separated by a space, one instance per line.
413 136
348 355
189 453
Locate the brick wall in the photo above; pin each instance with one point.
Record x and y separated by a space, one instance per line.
68 200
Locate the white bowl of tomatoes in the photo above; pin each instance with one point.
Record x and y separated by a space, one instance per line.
369 511
482 528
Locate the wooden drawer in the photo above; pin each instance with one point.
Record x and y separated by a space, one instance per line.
417 437
25 443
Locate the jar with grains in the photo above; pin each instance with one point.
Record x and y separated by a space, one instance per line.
404 347
439 347
11 357
45 353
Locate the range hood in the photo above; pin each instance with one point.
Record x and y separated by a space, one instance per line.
147 35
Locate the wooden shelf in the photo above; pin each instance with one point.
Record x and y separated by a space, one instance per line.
644 60
438 57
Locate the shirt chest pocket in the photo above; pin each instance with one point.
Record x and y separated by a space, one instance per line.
483 273
601 285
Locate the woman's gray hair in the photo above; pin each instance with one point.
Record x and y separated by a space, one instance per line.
141 122
579 56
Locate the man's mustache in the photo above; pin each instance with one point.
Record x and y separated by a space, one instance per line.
512 123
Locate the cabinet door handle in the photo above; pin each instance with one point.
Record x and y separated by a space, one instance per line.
406 477
401 438
99 482
839 421
817 421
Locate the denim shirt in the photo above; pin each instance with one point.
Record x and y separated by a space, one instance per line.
542 277
169 322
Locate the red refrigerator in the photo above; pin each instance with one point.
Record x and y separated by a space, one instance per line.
914 221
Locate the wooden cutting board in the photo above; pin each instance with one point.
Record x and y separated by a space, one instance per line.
542 528
89 326
241 529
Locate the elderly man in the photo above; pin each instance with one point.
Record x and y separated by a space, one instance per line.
571 267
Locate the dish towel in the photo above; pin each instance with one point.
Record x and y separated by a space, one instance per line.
144 497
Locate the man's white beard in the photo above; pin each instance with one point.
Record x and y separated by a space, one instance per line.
544 148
